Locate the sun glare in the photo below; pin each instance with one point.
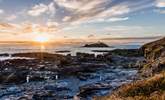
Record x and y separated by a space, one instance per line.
41 39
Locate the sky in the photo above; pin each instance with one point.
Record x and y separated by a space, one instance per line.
23 20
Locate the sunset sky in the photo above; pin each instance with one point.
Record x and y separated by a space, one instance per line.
22 20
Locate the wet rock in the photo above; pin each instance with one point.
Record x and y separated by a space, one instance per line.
126 52
10 91
24 98
56 58
13 77
62 51
44 95
92 88
5 55
84 57
55 88
83 67
84 76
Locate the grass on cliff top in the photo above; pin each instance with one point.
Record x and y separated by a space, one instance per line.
150 89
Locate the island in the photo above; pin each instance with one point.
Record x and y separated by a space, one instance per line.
98 44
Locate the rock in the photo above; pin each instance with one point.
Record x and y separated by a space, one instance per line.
154 53
62 51
154 49
43 56
55 88
152 86
13 77
84 57
24 98
92 88
10 91
80 68
84 76
126 52
43 95
5 55
99 44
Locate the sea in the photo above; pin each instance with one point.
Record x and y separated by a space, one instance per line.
70 47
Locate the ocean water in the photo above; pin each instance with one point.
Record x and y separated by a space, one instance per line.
72 47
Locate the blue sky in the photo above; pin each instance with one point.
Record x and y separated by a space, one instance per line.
85 19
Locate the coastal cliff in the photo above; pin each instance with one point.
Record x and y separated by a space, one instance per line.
154 53
151 86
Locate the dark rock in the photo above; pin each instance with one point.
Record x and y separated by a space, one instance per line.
62 51
92 88
126 52
44 95
55 88
13 77
56 58
5 54
84 57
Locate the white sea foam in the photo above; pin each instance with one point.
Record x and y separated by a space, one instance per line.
11 58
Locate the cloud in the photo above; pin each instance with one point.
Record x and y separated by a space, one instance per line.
51 8
80 11
40 9
91 36
123 29
23 28
114 11
112 19
118 19
66 18
6 26
52 24
11 17
100 20
70 4
160 3
1 11
160 11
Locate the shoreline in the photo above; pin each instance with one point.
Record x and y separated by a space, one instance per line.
151 71
83 67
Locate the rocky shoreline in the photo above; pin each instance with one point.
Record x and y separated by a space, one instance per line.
47 76
151 86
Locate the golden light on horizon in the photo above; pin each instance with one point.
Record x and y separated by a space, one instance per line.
41 39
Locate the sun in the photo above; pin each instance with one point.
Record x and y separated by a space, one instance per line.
41 39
